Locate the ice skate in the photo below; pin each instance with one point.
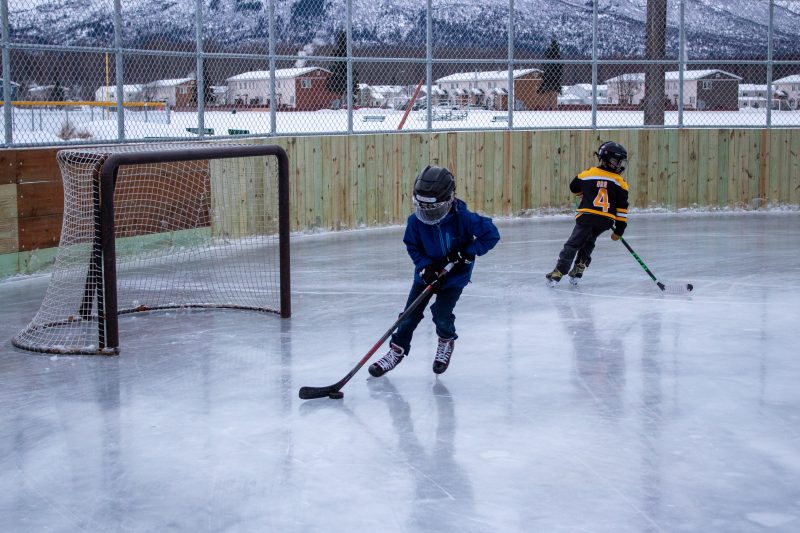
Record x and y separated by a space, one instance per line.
388 361
444 351
576 273
554 277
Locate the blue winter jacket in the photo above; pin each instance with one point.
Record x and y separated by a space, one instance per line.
428 243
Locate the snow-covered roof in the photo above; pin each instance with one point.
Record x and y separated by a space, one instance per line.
588 86
280 74
752 87
434 89
794 78
500 91
384 89
494 75
168 83
674 75
127 88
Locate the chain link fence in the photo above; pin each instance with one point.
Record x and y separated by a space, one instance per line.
106 71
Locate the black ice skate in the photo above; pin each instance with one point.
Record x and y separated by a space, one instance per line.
388 361
554 277
443 354
576 273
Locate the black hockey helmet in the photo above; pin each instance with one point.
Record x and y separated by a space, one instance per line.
434 192
612 156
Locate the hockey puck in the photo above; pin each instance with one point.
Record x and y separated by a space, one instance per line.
689 287
336 395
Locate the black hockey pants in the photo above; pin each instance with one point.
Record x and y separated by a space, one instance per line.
581 242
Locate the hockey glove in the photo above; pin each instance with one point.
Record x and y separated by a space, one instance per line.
460 257
429 274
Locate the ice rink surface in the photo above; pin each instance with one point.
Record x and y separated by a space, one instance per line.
609 407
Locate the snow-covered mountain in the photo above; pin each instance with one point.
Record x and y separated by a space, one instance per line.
715 28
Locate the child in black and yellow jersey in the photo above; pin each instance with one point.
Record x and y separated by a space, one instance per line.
603 195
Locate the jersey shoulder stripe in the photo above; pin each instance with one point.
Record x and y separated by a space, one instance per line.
595 173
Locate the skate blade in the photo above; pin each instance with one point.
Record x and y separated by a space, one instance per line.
574 281
551 283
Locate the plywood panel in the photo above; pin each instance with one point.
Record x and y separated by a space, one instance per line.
39 232
794 169
37 199
8 219
723 166
8 166
37 165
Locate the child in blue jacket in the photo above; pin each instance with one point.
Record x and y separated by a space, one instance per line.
440 231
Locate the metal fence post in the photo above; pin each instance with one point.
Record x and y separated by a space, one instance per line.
511 64
681 60
273 117
120 79
429 64
769 62
200 82
594 65
7 93
349 92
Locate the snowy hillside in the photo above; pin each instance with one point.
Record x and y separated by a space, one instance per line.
715 28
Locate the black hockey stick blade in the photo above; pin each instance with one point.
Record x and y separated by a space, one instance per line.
310 393
333 391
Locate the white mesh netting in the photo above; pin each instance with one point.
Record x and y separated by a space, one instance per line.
193 233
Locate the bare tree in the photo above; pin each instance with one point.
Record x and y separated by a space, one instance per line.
627 87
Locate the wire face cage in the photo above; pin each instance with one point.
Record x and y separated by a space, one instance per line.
190 226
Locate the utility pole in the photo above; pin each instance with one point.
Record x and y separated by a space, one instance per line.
655 50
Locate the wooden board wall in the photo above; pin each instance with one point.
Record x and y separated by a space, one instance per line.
342 182
365 180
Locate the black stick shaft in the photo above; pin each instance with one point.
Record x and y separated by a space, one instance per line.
307 393
639 260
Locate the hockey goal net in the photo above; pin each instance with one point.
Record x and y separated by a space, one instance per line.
145 228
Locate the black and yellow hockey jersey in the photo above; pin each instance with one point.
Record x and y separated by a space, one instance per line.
604 194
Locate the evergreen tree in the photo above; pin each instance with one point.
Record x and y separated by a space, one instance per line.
337 82
57 92
551 73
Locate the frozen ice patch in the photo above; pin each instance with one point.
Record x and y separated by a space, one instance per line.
768 519
495 454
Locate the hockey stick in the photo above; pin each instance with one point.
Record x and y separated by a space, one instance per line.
308 393
678 289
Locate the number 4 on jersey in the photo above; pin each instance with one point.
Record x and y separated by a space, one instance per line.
601 200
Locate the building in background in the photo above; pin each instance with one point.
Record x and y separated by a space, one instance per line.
790 85
176 92
711 89
300 89
752 96
490 89
385 96
108 93
581 94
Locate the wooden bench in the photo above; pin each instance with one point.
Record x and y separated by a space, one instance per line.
373 118
448 115
196 131
237 132
500 118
